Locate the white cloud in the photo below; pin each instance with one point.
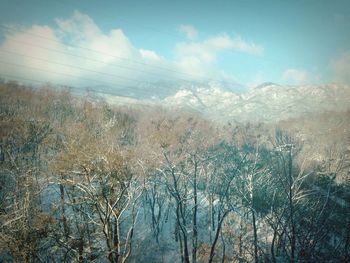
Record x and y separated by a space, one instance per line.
188 30
200 51
224 41
208 49
44 55
341 68
76 52
149 54
295 76
198 58
80 26
257 79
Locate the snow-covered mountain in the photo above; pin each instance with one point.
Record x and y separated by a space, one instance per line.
266 102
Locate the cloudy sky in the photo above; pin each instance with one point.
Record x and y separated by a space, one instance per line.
118 43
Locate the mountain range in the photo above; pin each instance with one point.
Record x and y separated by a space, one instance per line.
266 102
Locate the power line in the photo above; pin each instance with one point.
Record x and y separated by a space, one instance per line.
88 89
54 72
128 59
26 79
82 57
87 58
78 56
140 90
133 88
110 85
97 51
14 77
110 55
72 66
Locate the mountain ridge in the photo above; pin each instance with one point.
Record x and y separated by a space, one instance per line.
265 102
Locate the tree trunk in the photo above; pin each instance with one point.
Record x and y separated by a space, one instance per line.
116 241
211 218
255 238
273 256
183 231
223 248
220 221
81 249
186 254
291 206
181 247
240 251
195 233
64 219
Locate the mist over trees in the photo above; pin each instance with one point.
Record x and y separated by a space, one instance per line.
83 181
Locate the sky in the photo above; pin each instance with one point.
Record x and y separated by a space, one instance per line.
132 43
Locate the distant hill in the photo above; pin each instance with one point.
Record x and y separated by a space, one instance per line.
265 103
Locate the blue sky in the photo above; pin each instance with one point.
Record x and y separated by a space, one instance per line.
248 42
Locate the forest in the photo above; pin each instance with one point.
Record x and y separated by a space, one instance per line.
82 180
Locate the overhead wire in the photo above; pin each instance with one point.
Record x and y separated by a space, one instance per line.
74 88
144 27
111 84
113 64
115 85
71 66
82 57
95 51
54 72
148 65
12 77
88 58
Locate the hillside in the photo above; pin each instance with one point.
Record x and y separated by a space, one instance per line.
267 102
84 180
